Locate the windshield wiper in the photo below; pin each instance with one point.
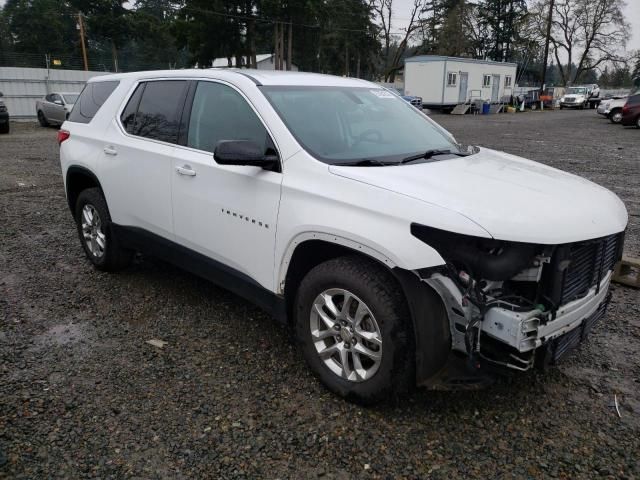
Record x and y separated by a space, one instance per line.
431 153
365 162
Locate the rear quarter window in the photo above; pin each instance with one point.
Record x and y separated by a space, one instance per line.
91 99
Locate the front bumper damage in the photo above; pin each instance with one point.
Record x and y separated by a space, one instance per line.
514 339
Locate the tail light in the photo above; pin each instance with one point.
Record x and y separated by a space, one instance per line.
63 135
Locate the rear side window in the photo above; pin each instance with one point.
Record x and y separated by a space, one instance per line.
91 99
221 113
154 110
634 100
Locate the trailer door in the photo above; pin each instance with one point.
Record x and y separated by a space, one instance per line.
464 83
495 88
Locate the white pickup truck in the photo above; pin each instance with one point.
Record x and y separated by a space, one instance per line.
583 96
55 107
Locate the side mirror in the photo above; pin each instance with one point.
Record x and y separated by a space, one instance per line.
243 152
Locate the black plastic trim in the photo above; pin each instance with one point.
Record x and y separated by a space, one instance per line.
430 325
83 171
237 282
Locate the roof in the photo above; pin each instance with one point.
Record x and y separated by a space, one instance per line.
260 77
440 58
224 61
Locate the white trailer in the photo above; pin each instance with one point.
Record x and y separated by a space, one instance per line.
444 82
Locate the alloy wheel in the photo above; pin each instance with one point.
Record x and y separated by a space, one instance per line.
346 335
94 237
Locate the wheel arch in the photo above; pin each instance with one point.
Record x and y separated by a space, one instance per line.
432 340
78 179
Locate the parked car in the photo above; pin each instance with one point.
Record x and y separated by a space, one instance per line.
581 97
631 111
387 248
412 99
55 107
4 117
613 111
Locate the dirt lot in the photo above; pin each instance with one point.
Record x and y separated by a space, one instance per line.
83 395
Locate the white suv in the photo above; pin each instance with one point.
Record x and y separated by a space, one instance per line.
398 257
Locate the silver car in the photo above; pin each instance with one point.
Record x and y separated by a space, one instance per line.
54 108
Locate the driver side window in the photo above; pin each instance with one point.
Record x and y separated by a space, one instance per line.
221 113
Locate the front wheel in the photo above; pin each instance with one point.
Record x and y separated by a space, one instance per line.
96 234
354 329
5 128
615 116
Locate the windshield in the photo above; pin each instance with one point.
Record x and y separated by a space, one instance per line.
349 124
576 90
70 98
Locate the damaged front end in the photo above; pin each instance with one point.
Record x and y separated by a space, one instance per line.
514 305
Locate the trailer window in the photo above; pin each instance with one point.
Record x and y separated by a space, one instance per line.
507 81
486 81
452 79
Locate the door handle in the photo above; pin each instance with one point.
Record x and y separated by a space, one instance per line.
109 150
186 170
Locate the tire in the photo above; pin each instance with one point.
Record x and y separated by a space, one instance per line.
561 107
5 128
102 248
638 122
615 116
371 285
42 120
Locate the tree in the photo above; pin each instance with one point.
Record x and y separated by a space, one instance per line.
392 57
502 20
587 33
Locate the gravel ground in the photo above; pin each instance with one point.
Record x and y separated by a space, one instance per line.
82 394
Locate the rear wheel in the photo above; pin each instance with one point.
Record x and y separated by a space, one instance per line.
5 128
354 328
96 233
615 116
638 122
42 120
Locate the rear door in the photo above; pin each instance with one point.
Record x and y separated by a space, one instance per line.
137 156
227 213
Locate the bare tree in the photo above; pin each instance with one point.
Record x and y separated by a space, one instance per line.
384 11
587 34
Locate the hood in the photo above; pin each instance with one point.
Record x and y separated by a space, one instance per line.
510 197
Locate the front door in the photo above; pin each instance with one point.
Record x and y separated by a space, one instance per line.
464 82
495 88
228 213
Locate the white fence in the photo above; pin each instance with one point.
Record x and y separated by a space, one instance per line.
23 86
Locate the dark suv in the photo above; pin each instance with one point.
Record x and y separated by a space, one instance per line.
4 117
631 111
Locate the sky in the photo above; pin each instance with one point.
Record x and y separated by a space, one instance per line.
403 10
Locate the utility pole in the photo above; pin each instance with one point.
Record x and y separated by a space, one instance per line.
84 48
546 45
289 46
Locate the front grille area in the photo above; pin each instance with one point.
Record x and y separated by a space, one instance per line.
589 262
567 342
569 100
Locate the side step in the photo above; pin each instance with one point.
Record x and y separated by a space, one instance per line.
460 109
